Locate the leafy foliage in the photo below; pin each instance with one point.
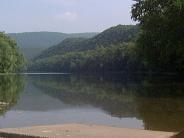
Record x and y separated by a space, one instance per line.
10 58
161 43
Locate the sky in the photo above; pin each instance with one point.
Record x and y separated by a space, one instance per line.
68 16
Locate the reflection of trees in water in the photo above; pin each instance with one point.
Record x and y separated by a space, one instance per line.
157 101
166 114
10 88
164 107
88 90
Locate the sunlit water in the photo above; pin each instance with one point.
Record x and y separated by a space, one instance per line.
154 103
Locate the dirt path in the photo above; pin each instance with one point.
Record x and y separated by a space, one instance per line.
86 131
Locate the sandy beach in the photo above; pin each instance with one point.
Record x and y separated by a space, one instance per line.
85 131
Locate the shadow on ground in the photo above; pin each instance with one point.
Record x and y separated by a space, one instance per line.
11 135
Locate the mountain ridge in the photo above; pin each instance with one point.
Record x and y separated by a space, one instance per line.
113 35
33 43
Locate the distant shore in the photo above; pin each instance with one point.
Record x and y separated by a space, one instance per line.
82 131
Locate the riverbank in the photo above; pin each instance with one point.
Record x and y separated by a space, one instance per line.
83 131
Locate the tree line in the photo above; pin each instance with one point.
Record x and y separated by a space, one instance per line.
120 57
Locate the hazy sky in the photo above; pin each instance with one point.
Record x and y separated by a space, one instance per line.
63 15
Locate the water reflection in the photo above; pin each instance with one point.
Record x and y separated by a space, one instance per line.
10 88
154 103
155 100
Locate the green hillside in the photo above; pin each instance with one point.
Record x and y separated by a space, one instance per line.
114 35
33 43
110 50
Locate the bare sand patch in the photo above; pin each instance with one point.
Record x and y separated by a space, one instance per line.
86 131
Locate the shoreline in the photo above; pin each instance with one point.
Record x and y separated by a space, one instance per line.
82 131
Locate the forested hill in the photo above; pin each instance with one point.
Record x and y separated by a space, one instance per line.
111 50
157 47
113 35
33 43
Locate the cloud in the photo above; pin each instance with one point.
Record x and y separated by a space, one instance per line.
67 16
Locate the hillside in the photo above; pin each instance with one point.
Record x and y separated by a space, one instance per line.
33 43
111 50
114 35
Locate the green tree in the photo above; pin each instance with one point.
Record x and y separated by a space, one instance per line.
161 43
10 58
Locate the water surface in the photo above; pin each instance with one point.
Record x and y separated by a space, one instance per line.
131 101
